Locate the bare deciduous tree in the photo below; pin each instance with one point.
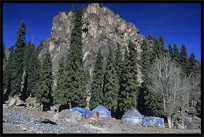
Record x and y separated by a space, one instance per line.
184 95
166 81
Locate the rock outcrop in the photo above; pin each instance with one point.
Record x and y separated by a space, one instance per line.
101 29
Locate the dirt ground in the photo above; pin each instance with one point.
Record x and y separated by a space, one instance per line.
144 130
114 122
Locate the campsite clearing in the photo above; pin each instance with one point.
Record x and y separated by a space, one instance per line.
16 120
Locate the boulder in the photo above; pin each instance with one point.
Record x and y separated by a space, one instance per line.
192 122
54 107
66 115
46 121
12 102
5 106
51 112
36 105
20 103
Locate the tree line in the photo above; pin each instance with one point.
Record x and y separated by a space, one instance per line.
169 76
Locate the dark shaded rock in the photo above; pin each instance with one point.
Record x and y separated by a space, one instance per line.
47 121
21 103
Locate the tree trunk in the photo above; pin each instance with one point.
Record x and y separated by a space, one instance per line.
41 108
70 105
169 121
182 120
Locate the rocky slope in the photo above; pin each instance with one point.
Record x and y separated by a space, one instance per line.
101 29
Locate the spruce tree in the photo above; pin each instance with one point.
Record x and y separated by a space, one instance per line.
44 94
156 50
29 50
17 73
192 68
170 50
33 73
4 56
183 60
72 9
129 87
100 4
111 85
175 55
144 69
7 75
150 37
152 102
39 48
74 69
118 61
97 85
68 80
118 68
58 94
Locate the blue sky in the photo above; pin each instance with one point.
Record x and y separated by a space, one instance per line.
175 22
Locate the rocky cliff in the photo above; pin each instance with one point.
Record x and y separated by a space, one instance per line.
101 29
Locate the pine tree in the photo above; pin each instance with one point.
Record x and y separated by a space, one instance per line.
39 48
33 73
161 41
72 9
18 62
118 61
4 56
44 94
183 60
74 70
58 94
144 69
152 102
29 50
170 50
111 84
97 85
175 55
7 75
118 68
129 87
150 37
68 81
156 50
100 4
192 68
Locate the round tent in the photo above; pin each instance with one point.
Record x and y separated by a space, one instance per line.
83 112
132 116
103 112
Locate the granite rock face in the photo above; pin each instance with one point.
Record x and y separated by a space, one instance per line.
101 29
